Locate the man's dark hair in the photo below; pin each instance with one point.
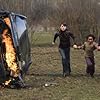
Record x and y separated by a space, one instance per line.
65 24
90 35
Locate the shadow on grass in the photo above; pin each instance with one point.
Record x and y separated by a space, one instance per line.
58 75
49 75
78 75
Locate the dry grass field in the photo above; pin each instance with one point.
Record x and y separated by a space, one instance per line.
47 68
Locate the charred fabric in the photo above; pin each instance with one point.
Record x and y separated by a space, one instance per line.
10 71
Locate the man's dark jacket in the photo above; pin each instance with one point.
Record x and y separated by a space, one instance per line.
64 37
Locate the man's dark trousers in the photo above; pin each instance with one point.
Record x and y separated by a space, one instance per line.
65 54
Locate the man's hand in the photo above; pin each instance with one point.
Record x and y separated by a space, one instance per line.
75 46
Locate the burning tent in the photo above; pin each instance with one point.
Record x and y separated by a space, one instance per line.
12 63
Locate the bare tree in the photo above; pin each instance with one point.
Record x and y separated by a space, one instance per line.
81 16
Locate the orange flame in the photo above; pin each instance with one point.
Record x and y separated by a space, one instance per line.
7 21
10 54
7 82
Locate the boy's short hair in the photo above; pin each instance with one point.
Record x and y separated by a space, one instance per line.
90 35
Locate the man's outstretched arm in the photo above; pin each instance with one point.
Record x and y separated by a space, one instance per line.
73 37
55 37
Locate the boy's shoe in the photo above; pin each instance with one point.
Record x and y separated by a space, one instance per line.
92 76
87 74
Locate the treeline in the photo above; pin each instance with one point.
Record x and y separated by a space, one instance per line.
82 16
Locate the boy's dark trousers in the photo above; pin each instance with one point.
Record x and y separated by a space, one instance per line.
90 65
65 53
